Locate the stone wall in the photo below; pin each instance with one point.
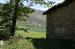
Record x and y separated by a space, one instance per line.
60 23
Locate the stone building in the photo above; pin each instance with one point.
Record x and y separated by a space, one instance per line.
61 20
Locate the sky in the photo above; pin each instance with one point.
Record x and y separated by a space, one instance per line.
42 8
38 7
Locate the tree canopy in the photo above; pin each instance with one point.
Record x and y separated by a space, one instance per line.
13 10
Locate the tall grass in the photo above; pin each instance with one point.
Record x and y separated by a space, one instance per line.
19 41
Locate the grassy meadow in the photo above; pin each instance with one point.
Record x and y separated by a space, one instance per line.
22 39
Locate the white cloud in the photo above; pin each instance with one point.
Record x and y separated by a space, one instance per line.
45 8
38 7
59 1
3 1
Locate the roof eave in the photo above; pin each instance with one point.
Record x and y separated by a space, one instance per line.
66 2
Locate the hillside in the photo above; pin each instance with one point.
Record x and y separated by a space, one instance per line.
35 19
35 23
38 18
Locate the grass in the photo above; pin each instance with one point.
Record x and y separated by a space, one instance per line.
33 29
21 41
31 34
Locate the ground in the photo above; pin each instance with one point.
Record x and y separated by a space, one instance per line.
21 40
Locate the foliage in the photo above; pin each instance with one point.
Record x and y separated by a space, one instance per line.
19 41
4 22
7 12
11 11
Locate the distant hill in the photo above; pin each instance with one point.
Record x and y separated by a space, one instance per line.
36 19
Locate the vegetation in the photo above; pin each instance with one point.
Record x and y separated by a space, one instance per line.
20 41
13 10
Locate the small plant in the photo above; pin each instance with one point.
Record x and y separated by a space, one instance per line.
4 35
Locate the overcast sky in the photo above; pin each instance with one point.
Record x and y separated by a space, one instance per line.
38 7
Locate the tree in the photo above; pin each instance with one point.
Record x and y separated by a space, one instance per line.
19 9
15 9
4 21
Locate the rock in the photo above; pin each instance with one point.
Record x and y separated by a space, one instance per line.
2 43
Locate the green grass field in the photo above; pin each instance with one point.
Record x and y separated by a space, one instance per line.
31 34
23 40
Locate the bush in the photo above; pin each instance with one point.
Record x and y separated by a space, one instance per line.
4 31
4 34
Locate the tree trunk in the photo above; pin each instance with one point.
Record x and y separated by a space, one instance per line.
13 26
14 19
